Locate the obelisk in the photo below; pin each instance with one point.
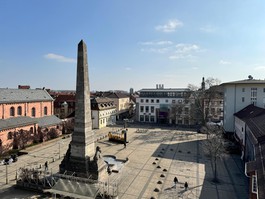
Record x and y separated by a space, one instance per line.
79 158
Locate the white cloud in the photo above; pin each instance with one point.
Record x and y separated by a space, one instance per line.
184 51
128 68
155 50
59 58
224 62
260 68
185 48
155 43
170 26
208 29
180 56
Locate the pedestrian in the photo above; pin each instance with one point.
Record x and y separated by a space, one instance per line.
176 181
186 186
46 166
124 143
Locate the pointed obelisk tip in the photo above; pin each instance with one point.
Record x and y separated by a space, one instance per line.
81 42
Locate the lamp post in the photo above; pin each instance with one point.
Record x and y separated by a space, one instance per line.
6 174
59 143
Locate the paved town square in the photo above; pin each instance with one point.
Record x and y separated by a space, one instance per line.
155 157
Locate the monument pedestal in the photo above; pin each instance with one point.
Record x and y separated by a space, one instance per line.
83 167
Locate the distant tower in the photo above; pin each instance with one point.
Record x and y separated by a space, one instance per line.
79 158
131 91
203 84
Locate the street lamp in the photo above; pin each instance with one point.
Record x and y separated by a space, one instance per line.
59 143
6 174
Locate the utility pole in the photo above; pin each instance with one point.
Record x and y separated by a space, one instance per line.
6 174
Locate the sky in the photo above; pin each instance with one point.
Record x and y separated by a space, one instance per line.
131 43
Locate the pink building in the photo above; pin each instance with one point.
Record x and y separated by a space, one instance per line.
26 116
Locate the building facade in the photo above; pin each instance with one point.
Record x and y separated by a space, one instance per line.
163 105
238 95
103 112
121 101
26 117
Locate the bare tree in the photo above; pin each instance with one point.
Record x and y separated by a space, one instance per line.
214 146
202 99
176 111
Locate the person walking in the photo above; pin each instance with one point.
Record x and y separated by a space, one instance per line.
46 166
176 181
186 186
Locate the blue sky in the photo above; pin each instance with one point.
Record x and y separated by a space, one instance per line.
131 44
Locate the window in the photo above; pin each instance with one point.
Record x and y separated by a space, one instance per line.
243 89
147 101
212 111
19 110
157 101
141 118
152 109
45 110
147 109
173 101
166 100
142 100
147 118
12 111
254 184
152 100
9 136
243 99
253 96
33 112
141 108
152 118
264 90
186 110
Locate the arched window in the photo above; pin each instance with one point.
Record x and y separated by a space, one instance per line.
45 110
9 136
19 110
33 112
12 111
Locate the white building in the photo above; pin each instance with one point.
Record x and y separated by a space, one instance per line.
103 112
238 95
155 105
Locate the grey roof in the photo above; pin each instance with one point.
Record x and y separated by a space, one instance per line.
164 89
245 81
23 95
48 121
16 122
249 111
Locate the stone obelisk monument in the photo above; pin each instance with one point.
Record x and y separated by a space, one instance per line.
81 157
